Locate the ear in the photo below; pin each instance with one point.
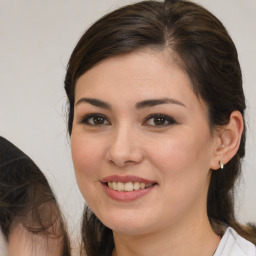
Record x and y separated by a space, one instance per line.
228 139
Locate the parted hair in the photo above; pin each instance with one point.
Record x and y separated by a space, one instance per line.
204 50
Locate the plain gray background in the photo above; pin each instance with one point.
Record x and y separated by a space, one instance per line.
36 40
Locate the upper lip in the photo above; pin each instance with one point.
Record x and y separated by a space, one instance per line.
126 178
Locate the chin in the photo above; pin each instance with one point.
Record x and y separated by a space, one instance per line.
130 230
128 224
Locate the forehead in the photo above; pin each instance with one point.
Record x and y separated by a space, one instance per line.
146 73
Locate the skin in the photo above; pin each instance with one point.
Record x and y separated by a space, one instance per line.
24 243
179 155
49 242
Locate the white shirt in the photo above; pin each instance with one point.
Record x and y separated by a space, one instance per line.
232 244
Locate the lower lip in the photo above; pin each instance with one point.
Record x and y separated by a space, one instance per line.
124 195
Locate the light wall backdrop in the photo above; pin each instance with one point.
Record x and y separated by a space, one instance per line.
36 40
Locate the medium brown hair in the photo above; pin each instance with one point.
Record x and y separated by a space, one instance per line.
204 50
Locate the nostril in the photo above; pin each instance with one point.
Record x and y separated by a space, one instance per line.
129 162
111 162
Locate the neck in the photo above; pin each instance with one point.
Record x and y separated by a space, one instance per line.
195 239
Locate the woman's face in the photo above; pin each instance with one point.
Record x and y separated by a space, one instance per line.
141 144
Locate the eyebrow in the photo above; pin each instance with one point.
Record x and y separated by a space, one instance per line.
139 105
94 102
154 102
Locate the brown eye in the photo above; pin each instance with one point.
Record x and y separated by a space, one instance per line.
159 120
98 120
95 120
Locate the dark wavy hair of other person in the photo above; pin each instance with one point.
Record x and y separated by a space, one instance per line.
27 199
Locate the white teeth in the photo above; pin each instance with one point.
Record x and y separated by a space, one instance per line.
114 185
110 184
120 186
136 186
128 186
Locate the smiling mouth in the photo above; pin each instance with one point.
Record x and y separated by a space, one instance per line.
128 186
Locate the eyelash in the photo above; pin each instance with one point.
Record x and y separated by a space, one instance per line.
161 117
164 118
86 119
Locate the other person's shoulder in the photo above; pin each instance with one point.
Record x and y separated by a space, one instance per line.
3 245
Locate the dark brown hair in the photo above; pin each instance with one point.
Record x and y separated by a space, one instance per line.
204 49
27 200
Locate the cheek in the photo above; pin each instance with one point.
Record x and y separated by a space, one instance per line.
182 165
87 159
182 156
86 154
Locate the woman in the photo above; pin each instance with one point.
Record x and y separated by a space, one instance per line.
156 118
30 219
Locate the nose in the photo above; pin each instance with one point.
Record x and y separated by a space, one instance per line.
124 147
